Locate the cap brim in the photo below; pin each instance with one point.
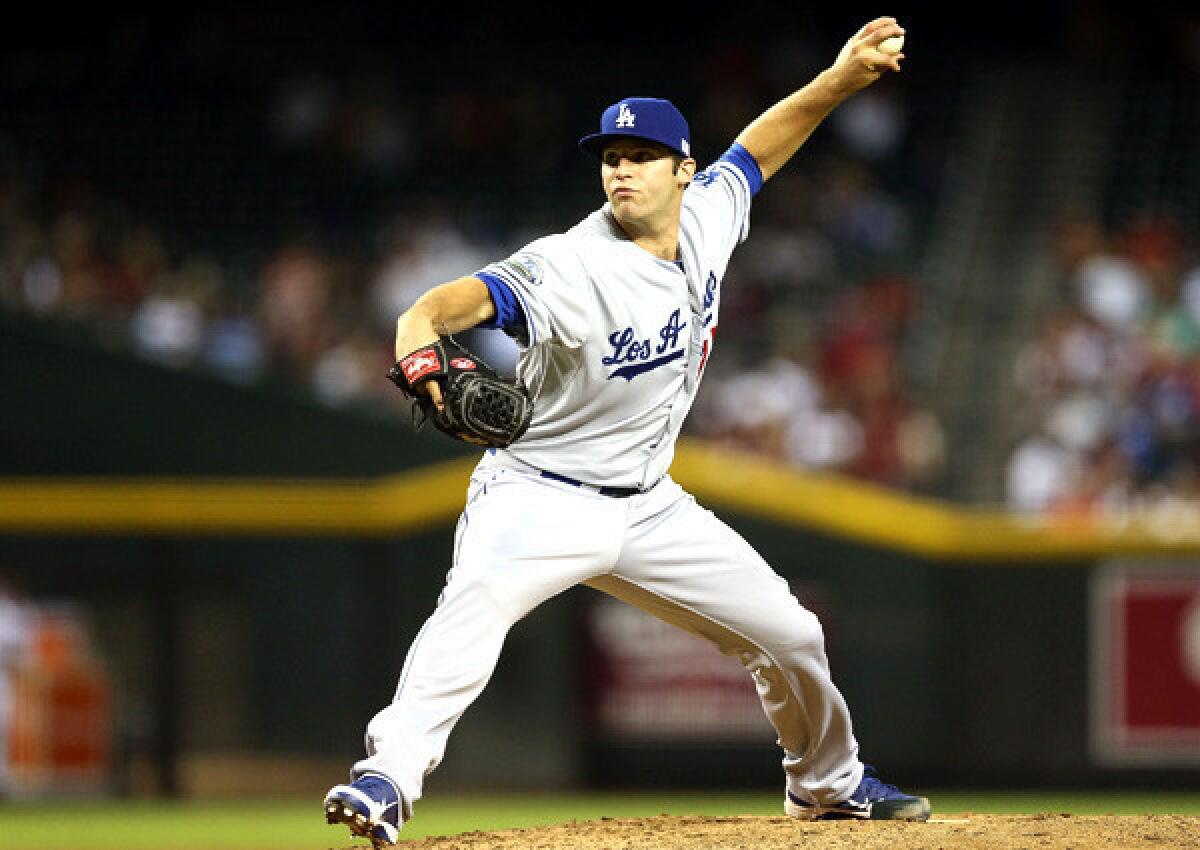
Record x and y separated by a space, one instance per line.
594 144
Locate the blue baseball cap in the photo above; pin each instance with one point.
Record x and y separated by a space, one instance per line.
649 118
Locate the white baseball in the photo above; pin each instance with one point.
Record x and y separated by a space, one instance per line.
892 45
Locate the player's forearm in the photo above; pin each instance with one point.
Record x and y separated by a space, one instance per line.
775 136
446 309
778 133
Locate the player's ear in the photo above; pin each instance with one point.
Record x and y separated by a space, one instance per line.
685 172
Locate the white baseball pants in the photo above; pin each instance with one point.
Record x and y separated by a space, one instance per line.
522 539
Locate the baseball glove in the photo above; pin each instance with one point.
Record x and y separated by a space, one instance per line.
481 407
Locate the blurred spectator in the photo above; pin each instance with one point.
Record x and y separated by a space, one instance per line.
871 231
232 343
141 261
1113 291
352 370
80 270
42 284
827 437
922 448
1154 244
425 249
294 297
1040 474
169 325
872 125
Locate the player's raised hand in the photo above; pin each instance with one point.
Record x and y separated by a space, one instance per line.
862 61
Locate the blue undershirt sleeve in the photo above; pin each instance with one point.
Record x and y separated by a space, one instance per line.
510 315
744 161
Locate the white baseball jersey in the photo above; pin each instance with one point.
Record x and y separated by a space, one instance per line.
613 345
614 340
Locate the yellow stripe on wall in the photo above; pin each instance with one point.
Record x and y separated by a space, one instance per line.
433 496
866 513
424 498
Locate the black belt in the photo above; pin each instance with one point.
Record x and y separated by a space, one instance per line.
615 492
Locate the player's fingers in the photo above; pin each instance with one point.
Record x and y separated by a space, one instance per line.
435 394
870 27
879 62
875 40
884 62
884 33
879 59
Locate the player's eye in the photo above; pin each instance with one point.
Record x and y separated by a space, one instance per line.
638 156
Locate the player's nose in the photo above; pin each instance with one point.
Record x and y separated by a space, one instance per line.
623 168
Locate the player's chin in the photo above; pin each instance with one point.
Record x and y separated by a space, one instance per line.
625 207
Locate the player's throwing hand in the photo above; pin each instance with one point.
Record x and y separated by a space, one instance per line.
861 62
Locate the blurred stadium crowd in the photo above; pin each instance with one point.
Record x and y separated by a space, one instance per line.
814 310
265 218
1111 381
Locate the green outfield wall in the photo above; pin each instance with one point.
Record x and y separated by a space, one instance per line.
74 408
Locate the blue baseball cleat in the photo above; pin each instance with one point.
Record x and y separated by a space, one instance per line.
874 799
370 806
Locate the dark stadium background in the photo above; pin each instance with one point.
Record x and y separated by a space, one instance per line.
220 649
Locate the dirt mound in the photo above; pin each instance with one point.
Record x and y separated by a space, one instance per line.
953 832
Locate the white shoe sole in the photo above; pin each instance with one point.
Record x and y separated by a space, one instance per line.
916 810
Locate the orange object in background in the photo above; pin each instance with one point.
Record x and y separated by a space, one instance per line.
28 768
60 734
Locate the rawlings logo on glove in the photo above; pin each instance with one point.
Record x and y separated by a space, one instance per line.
479 406
420 364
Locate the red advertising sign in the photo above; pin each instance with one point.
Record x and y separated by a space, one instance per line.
650 681
1146 665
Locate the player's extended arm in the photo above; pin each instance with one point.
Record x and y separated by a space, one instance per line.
443 310
774 136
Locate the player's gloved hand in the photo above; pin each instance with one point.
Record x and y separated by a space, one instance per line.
477 405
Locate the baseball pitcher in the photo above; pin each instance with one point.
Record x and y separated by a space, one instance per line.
615 320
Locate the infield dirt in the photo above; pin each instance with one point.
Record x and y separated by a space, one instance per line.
944 832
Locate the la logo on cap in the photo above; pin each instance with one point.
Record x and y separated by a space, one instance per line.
625 118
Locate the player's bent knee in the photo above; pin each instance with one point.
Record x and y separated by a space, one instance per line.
805 637
790 640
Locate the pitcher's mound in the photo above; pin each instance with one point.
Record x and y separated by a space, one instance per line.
951 831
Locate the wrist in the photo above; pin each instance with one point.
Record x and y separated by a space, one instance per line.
832 86
414 329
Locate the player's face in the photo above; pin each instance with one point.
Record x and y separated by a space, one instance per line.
640 180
